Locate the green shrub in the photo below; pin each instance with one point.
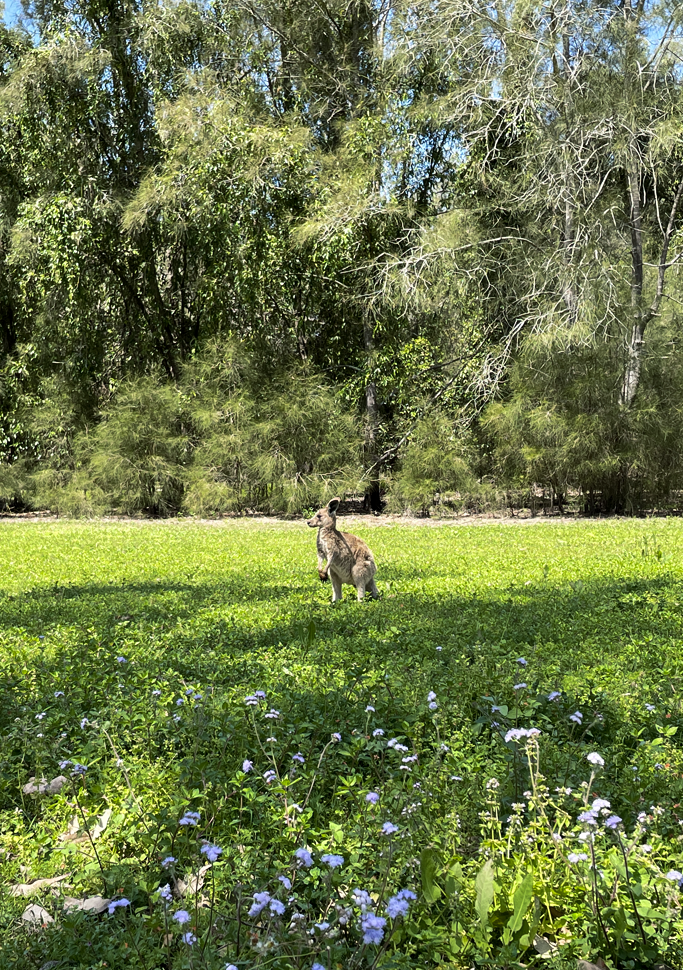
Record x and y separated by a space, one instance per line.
140 450
283 451
434 468
559 427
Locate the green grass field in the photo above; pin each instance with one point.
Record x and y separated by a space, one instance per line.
133 621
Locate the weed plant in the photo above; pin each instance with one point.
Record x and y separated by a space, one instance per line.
483 768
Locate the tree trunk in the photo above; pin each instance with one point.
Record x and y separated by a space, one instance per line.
7 328
372 498
569 293
634 358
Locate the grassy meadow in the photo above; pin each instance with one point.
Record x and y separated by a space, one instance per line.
160 669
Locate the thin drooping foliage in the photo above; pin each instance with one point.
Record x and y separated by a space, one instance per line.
411 209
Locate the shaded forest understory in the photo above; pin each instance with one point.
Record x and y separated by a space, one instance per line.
254 253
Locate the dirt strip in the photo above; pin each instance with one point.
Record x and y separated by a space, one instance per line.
344 521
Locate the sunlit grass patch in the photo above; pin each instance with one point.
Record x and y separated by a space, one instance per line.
140 651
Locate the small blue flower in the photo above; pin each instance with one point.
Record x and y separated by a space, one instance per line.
521 661
612 822
211 851
189 938
261 900
190 818
168 861
519 686
389 828
576 717
398 905
181 917
553 695
372 797
299 757
362 898
333 861
115 903
373 928
305 858
165 893
247 766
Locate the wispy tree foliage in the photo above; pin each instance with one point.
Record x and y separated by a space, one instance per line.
447 221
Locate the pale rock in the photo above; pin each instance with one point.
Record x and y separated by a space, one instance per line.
29 888
36 917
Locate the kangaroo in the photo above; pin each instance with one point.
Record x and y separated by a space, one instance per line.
348 558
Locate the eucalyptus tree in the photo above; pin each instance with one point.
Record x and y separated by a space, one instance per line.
566 205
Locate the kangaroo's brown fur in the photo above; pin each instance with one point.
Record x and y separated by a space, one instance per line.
348 558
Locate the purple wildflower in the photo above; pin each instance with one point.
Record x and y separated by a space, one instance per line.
305 858
261 900
373 928
190 818
211 851
116 903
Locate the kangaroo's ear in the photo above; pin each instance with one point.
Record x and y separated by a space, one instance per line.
333 505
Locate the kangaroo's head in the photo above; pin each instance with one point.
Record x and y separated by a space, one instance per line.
325 518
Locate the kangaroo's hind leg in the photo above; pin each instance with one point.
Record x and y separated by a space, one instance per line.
336 587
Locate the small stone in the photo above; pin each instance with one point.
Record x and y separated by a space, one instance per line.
93 904
36 917
29 888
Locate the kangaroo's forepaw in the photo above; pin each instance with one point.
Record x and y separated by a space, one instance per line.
324 577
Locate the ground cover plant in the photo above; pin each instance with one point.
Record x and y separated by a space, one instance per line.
214 767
